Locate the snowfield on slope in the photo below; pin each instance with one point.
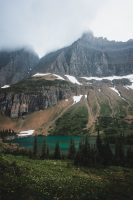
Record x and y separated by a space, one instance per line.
77 99
59 77
72 79
26 133
5 86
40 74
46 74
115 90
111 78
129 87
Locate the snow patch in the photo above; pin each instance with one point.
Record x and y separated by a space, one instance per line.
40 74
45 74
111 78
5 86
99 90
26 133
77 99
115 90
72 79
129 86
86 96
59 77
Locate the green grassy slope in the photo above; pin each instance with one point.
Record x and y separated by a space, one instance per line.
72 122
23 178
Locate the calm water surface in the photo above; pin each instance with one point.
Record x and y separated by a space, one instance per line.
64 141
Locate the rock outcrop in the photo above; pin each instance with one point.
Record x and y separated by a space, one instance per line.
16 65
15 103
90 56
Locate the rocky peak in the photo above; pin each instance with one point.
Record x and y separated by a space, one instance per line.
16 65
90 56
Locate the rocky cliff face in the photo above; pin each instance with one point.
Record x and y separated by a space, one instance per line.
90 56
16 65
15 103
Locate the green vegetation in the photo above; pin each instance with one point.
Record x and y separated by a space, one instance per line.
72 150
13 149
121 109
94 109
101 154
88 174
57 152
7 133
45 150
113 127
22 178
72 122
105 109
35 146
37 85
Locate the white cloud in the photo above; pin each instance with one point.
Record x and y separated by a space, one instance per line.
51 24
114 20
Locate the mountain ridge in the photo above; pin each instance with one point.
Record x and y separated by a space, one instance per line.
90 56
84 74
16 65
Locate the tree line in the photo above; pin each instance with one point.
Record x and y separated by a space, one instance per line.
100 154
5 133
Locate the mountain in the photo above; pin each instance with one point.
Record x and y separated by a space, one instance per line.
16 65
90 56
71 90
66 105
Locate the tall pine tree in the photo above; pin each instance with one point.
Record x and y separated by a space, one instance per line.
44 150
72 150
57 152
35 146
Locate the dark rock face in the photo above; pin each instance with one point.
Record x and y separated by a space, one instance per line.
14 104
90 56
16 65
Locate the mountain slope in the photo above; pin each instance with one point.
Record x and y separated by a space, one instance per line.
90 56
16 65
53 104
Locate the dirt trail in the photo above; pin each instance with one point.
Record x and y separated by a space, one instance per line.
92 117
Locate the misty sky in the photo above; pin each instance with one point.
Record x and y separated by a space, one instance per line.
46 25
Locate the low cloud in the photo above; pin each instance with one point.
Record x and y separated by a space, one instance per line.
50 24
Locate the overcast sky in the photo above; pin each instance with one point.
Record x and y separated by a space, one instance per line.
46 25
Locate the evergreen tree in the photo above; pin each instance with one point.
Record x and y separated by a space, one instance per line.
72 150
44 150
78 156
119 151
57 152
85 153
99 142
107 154
47 151
35 146
84 156
129 157
100 149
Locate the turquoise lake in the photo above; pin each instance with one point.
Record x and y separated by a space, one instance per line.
51 140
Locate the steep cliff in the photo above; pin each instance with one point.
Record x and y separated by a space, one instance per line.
90 56
16 65
61 107
33 95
